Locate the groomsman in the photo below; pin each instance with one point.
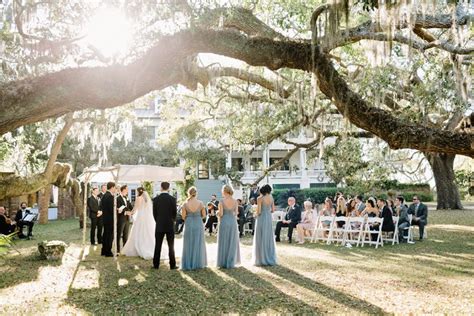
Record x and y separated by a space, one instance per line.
164 212
292 218
107 207
124 207
95 215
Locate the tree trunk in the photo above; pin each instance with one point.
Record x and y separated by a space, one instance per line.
446 187
45 195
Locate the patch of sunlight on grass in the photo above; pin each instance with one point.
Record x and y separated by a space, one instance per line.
453 228
140 277
122 282
194 283
86 279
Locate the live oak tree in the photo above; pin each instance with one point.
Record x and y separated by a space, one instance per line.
161 60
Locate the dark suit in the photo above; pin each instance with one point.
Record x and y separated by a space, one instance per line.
422 214
254 194
123 221
107 208
96 222
164 212
293 214
5 227
20 214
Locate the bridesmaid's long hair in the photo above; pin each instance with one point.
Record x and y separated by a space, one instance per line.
192 192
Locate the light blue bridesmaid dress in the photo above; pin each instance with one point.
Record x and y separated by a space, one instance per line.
228 247
194 246
264 253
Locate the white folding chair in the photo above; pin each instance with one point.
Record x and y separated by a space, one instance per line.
247 228
409 237
355 230
368 233
315 222
394 238
278 216
337 233
322 226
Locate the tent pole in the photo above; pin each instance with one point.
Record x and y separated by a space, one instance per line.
115 243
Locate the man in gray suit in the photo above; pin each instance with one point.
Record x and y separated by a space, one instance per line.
403 221
420 214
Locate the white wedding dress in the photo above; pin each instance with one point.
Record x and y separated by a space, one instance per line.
141 241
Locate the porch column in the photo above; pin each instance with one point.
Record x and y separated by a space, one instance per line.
305 183
228 162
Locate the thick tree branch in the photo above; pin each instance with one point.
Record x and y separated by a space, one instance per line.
55 94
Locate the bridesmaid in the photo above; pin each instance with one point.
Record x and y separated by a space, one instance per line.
264 253
228 248
194 246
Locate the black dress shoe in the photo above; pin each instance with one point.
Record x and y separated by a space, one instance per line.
289 241
277 240
155 268
174 268
109 255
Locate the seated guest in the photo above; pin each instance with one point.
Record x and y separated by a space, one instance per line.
372 211
351 210
306 226
19 219
327 210
341 209
7 226
360 205
386 214
391 206
404 220
211 217
292 218
420 214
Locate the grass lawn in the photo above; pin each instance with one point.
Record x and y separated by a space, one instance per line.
433 276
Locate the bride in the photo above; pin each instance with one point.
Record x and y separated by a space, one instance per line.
141 241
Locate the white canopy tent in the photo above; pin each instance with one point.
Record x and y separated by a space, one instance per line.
133 173
126 174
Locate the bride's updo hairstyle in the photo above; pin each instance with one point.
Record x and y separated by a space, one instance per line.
140 191
192 192
228 189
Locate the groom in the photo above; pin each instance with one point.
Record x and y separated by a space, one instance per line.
164 212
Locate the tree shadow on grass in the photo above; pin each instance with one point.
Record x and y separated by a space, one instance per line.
241 291
18 268
344 299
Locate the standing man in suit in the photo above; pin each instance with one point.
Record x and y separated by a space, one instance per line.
107 207
164 212
420 214
254 192
124 208
292 218
95 215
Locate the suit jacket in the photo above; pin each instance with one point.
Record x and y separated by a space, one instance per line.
403 215
92 206
422 211
254 194
107 207
164 212
293 214
128 207
20 214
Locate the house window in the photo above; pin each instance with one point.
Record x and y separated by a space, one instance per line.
255 164
150 132
203 169
284 166
238 164
133 195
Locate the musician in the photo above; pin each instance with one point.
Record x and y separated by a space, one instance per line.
19 219
7 226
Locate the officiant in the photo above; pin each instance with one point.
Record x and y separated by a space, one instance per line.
20 220
124 209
